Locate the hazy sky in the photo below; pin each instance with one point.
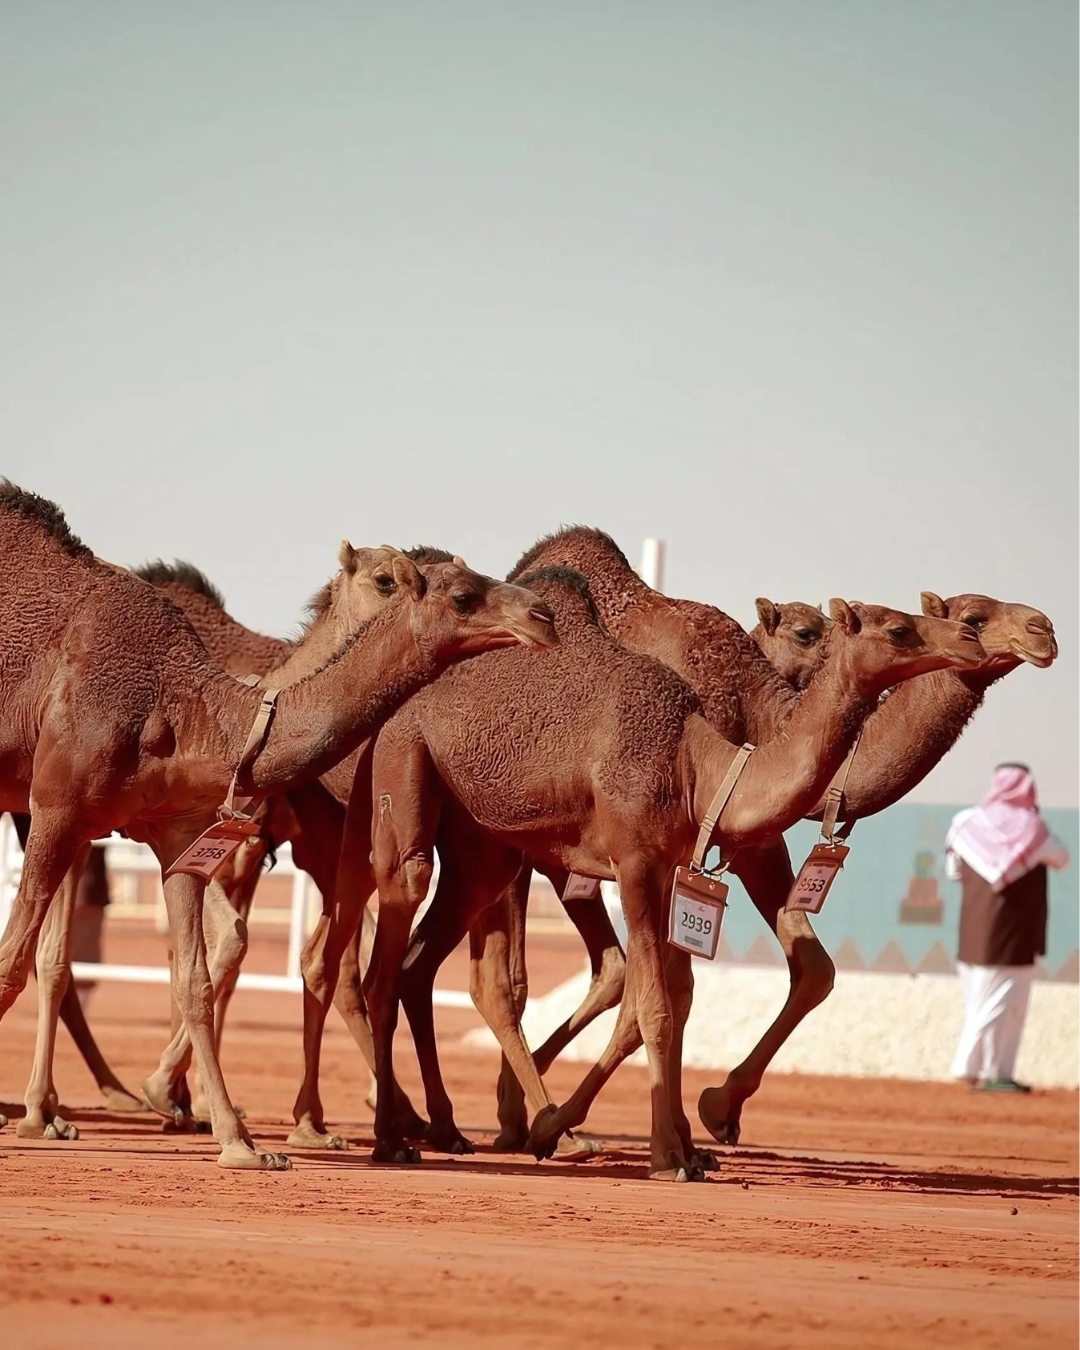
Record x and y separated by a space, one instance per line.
791 285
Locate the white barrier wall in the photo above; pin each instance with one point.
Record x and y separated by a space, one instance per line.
872 1025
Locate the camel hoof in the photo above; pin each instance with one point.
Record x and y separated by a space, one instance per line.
543 1136
52 1130
511 1139
307 1136
157 1099
719 1115
578 1147
395 1154
704 1160
3 1120
121 1101
242 1157
201 1126
448 1139
679 1174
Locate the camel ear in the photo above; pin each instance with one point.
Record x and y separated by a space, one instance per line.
347 557
844 616
409 577
933 606
459 562
768 614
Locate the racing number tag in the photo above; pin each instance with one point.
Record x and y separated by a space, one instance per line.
816 876
213 848
581 888
697 908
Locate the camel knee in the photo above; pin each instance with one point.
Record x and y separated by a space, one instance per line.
403 880
609 981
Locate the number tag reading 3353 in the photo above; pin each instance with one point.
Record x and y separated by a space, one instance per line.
213 848
816 876
697 908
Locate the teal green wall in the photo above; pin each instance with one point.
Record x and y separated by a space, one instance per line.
864 903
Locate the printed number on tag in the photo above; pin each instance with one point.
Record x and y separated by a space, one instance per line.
815 878
697 911
213 848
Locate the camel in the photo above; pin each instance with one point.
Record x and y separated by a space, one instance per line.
790 638
116 717
363 584
744 697
599 760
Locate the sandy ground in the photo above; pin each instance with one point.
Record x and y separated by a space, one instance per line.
854 1213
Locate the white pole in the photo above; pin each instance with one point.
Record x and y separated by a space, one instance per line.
8 880
297 924
652 563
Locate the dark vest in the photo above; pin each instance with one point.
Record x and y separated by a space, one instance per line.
1002 928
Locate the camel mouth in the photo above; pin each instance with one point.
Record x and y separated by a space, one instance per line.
1041 659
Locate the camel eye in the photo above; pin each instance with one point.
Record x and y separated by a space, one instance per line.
462 603
384 583
898 634
805 636
973 621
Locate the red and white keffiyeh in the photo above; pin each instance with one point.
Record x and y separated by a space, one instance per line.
1003 837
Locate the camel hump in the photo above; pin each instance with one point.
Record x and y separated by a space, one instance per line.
160 573
46 515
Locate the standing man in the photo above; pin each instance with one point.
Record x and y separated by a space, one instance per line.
999 852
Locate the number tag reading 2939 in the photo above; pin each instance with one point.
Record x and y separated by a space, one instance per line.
697 909
816 876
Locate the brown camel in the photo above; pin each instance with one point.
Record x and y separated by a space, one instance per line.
364 585
361 588
598 760
115 717
790 637
330 963
744 697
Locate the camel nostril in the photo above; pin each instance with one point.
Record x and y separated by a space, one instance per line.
1040 627
542 615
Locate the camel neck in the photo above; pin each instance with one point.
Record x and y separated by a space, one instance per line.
322 640
788 774
912 730
321 719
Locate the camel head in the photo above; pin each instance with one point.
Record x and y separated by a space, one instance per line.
790 636
362 588
886 646
460 612
1009 633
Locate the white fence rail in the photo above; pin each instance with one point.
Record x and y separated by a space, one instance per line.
124 855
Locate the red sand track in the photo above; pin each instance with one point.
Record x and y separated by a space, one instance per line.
857 1213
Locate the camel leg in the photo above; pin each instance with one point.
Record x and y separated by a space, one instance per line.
230 938
474 872
766 873
194 995
590 918
42 1119
51 848
225 934
679 969
402 833
645 1015
492 989
336 850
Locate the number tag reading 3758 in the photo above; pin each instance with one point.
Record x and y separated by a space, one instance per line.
213 848
697 908
816 876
